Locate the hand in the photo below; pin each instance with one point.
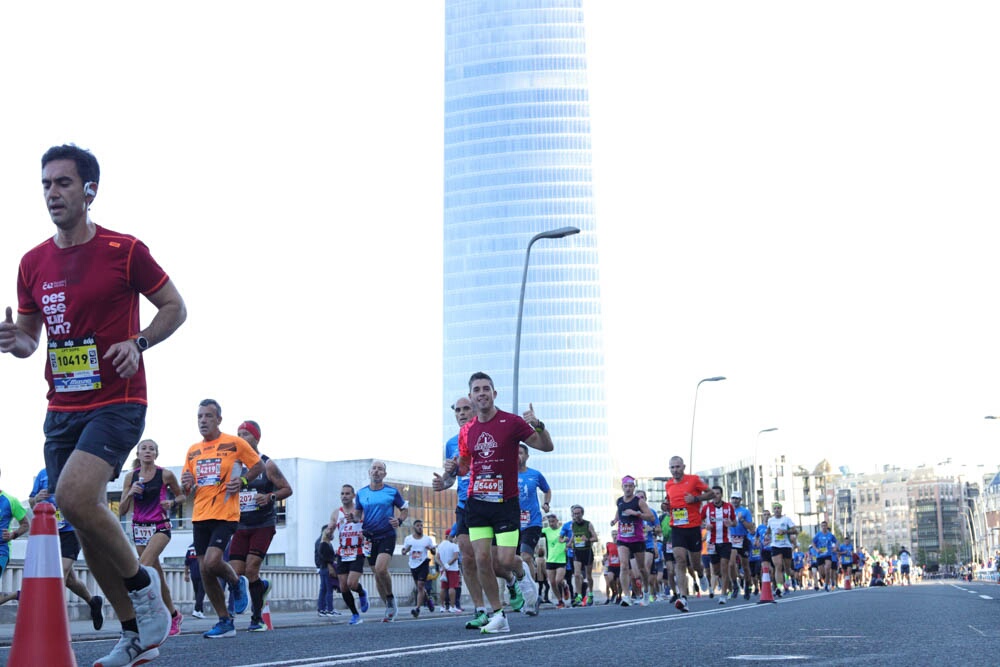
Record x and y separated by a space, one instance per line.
234 485
7 535
8 333
42 496
529 416
136 488
166 505
394 522
437 484
124 357
450 466
263 499
688 498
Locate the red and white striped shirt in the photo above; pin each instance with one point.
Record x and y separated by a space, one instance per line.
714 517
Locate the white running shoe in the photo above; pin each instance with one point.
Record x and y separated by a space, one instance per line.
498 623
151 614
529 590
127 652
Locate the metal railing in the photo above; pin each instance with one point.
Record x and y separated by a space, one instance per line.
292 589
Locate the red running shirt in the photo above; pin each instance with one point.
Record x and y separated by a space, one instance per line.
88 298
492 448
715 517
682 514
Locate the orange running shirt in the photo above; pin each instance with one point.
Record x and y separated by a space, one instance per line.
212 463
682 514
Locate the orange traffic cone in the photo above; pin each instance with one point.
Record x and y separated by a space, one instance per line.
847 581
766 595
41 633
265 615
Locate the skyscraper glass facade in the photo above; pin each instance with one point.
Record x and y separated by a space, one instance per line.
518 162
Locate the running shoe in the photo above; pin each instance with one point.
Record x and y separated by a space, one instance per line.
746 593
642 601
444 610
197 614
777 592
267 591
516 597
240 595
455 610
430 604
626 601
356 619
497 623
390 612
175 624
735 594
96 611
415 612
711 593
722 600
608 601
590 600
151 615
224 628
578 600
529 591
681 604
534 608
652 598
363 597
478 621
127 652
257 626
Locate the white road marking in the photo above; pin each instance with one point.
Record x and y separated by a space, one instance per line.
767 658
986 597
490 642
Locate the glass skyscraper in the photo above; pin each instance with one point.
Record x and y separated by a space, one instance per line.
518 162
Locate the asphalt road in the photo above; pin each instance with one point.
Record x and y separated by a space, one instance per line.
929 624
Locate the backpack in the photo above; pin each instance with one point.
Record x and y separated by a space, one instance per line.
318 554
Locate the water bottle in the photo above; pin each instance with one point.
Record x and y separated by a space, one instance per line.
142 485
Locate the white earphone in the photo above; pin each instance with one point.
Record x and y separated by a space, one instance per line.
88 189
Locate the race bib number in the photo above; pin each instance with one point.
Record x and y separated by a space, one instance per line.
580 542
822 550
679 516
141 534
668 547
736 541
626 530
74 365
755 552
710 550
488 488
209 472
348 554
366 548
248 501
525 518
417 556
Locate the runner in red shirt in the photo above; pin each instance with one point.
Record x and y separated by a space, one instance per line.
719 517
612 572
489 454
685 493
82 285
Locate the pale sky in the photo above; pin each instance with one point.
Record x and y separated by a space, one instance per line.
801 197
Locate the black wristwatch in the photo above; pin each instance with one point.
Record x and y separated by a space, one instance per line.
540 426
142 343
274 498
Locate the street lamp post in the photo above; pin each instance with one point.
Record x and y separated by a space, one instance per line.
694 411
759 507
551 234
